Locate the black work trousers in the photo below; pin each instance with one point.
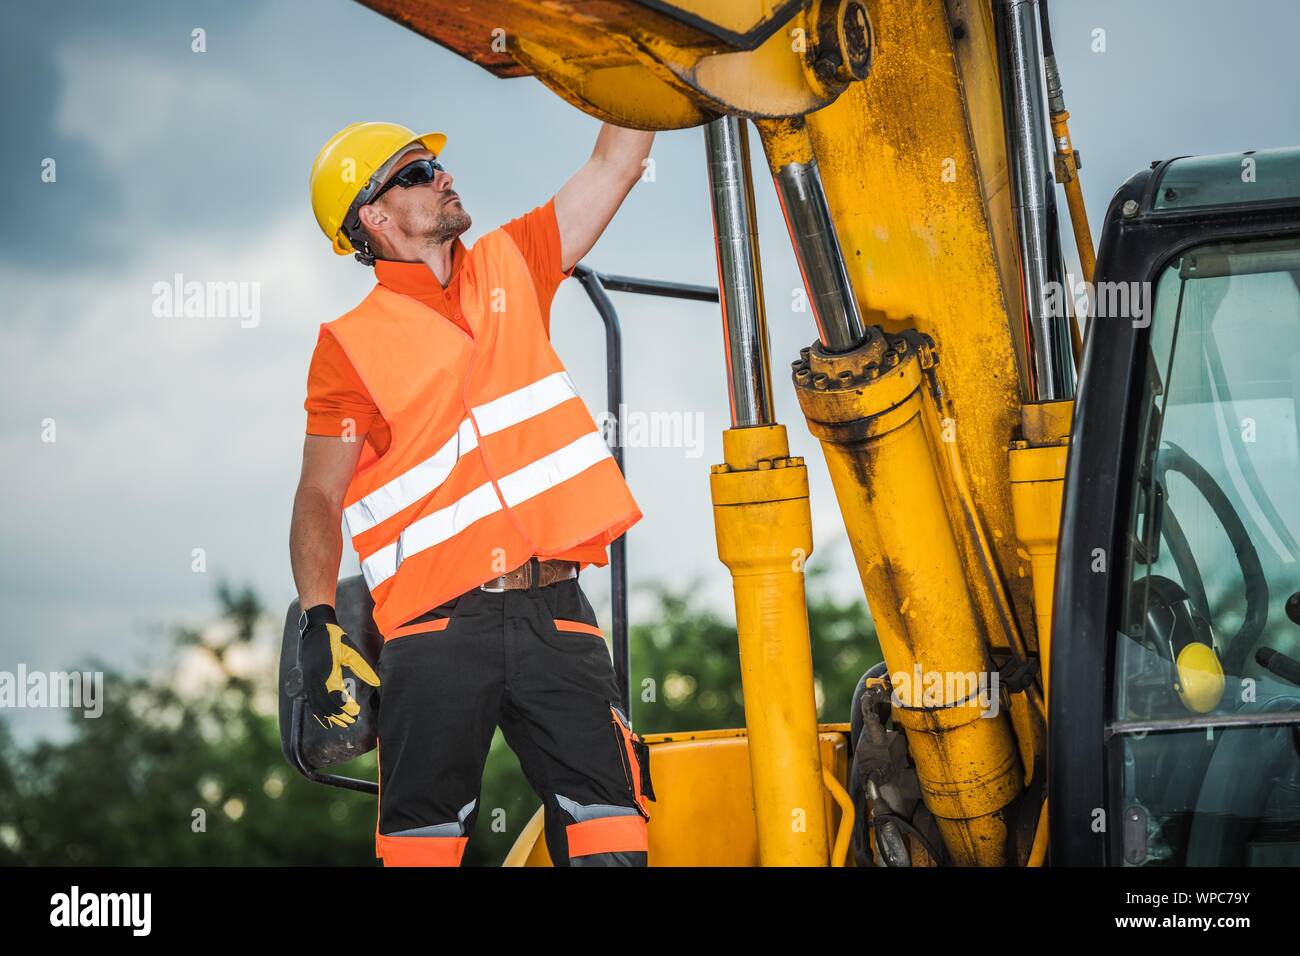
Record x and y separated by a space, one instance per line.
532 661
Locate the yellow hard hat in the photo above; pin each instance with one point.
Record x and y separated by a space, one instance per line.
352 165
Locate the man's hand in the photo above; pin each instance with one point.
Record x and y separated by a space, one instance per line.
326 650
585 204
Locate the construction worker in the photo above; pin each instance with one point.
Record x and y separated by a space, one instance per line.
444 431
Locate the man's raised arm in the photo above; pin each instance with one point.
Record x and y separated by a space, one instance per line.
585 204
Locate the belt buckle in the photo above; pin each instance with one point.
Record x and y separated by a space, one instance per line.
528 574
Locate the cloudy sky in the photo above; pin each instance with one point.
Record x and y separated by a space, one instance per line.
173 434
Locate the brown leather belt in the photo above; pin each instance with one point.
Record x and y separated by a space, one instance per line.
548 572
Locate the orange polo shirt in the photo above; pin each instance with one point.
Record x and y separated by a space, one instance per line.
335 393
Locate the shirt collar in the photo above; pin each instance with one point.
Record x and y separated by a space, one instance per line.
416 278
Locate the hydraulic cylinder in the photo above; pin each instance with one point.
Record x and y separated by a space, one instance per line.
764 529
866 407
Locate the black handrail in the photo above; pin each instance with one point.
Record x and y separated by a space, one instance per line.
597 285
672 290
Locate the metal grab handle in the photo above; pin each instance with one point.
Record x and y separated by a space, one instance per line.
597 286
300 761
848 816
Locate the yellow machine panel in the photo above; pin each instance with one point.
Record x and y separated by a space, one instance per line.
705 812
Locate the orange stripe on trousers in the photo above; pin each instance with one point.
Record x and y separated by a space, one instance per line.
626 834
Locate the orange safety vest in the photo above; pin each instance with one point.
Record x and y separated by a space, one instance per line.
494 457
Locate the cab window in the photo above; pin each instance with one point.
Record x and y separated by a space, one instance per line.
1205 707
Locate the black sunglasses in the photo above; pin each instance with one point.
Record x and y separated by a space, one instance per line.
412 174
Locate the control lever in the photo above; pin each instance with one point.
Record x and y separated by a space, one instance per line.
1287 668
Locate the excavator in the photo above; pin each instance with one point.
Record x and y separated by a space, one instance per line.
1073 502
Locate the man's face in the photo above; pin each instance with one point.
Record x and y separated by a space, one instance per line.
431 212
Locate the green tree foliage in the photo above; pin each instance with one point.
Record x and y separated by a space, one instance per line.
171 778
195 777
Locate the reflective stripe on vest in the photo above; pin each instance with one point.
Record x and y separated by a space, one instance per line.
493 455
408 488
516 487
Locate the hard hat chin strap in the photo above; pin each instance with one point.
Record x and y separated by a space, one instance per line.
363 254
352 228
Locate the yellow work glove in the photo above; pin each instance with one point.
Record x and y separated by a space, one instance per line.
326 650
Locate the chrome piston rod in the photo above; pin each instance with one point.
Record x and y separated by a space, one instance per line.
1033 201
740 279
817 250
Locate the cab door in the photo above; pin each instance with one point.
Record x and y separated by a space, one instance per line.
1175 721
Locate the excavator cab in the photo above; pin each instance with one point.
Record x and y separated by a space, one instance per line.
1180 565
